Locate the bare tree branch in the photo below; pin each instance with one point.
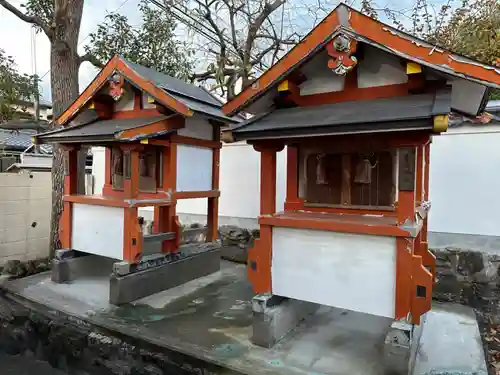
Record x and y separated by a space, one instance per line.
89 57
210 74
35 20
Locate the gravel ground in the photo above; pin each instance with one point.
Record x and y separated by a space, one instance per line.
14 365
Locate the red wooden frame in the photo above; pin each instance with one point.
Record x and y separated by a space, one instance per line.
412 255
130 198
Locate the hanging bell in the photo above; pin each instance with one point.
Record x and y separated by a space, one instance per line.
363 172
321 170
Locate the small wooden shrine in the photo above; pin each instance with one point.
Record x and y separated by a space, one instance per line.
162 141
356 104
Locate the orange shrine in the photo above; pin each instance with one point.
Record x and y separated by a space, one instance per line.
162 142
356 104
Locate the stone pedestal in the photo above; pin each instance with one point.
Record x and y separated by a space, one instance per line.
130 282
68 265
274 317
400 347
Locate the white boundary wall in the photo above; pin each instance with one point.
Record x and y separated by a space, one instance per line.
464 183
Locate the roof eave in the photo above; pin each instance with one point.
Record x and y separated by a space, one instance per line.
333 130
78 139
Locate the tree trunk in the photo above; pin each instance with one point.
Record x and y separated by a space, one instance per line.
64 63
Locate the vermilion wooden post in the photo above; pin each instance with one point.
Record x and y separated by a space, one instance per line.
213 203
165 219
292 180
107 169
132 235
419 189
267 181
259 257
70 156
404 246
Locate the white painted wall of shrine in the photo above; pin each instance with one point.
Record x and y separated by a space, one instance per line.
464 183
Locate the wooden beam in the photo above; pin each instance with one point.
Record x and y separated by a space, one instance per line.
180 139
196 194
169 124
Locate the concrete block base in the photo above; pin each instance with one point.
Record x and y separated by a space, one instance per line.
274 317
400 347
69 265
125 288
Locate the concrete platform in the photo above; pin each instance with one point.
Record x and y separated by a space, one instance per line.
210 319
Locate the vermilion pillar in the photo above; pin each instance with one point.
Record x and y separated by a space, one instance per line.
70 162
259 257
213 203
132 234
165 219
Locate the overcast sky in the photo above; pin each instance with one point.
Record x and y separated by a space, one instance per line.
15 38
15 35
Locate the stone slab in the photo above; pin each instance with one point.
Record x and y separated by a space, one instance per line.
450 343
274 317
67 270
131 287
210 319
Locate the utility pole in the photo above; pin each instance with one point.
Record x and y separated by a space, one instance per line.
36 96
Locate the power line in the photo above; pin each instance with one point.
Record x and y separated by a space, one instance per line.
198 26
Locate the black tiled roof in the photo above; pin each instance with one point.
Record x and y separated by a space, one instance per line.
195 98
19 140
174 85
105 130
399 113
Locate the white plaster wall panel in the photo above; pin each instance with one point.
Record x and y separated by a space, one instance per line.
197 127
98 163
98 230
379 68
349 271
466 96
464 183
194 168
320 78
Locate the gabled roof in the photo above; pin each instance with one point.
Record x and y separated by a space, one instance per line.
181 97
348 21
401 113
